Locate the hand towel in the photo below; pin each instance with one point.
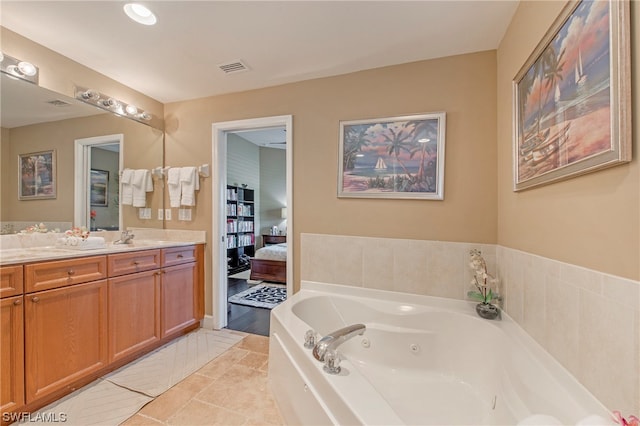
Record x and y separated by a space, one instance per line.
173 183
141 183
189 183
126 192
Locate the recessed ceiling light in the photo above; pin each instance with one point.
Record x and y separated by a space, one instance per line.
139 13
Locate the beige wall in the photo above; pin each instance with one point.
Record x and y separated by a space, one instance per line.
143 148
5 164
463 86
592 220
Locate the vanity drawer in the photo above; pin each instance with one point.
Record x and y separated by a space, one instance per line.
135 261
178 255
61 273
10 281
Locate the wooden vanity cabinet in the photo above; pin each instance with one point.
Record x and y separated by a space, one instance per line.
76 319
180 288
11 354
134 313
65 336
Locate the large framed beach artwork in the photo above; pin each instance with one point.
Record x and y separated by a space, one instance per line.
393 157
572 98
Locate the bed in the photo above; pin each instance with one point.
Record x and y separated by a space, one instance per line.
270 263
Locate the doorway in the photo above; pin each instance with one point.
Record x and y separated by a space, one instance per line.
97 165
221 131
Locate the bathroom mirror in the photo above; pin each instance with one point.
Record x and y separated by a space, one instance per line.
40 124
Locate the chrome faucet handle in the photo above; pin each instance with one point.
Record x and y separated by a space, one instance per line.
310 338
332 362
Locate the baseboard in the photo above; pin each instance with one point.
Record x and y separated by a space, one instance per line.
207 322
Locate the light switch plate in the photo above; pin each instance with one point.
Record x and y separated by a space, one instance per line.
167 214
144 213
160 214
184 214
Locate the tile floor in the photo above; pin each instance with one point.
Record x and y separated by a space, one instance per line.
229 390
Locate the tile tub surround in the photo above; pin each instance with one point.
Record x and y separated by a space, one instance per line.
589 321
431 268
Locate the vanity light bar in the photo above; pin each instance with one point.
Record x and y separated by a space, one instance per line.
19 69
112 104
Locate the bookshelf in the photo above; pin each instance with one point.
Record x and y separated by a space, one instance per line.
240 229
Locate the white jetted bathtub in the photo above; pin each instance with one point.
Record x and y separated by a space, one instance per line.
421 361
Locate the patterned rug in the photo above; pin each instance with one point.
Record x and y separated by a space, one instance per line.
261 296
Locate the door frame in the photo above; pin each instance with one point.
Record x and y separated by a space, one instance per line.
218 216
82 172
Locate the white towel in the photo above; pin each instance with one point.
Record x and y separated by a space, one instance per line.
189 183
126 193
141 183
77 243
173 183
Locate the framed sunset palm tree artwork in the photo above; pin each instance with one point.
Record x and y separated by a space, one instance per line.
393 157
572 98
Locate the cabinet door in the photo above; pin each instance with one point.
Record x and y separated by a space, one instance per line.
179 301
134 313
10 281
65 336
11 354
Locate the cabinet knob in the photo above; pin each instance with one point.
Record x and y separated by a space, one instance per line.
17 302
135 262
180 256
157 273
71 272
35 299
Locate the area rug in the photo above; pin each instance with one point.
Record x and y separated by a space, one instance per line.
117 396
261 296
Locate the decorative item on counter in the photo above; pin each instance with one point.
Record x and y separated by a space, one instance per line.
77 232
482 282
37 228
92 215
632 421
77 238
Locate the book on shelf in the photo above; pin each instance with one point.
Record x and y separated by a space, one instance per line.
232 194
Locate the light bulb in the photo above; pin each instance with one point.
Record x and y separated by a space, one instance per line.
27 68
131 109
139 13
90 95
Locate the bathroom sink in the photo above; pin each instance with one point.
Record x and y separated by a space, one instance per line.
142 243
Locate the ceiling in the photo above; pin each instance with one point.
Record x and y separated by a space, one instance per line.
279 41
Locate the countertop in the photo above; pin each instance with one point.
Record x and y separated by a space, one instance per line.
36 248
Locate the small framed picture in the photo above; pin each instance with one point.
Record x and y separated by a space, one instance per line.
99 188
37 178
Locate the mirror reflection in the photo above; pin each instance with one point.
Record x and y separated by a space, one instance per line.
83 151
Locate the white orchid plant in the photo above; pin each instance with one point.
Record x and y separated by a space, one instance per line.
481 280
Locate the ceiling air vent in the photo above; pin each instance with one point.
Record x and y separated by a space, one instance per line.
233 67
58 103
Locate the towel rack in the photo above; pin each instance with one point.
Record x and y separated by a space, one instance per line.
203 171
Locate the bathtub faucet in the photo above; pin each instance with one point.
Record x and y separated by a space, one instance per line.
332 340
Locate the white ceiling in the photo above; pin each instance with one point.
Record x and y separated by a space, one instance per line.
280 41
